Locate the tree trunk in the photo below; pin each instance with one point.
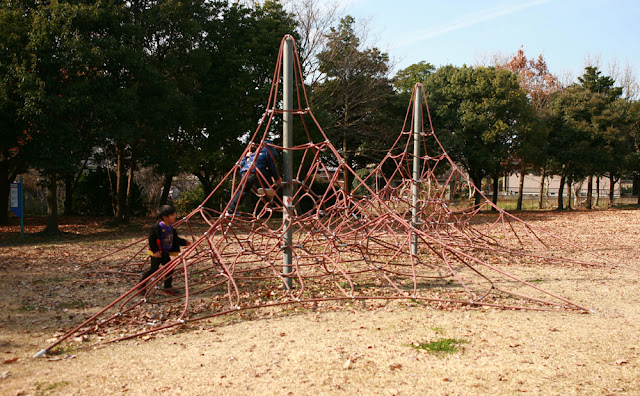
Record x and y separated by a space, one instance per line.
52 204
127 212
346 174
477 181
541 198
612 183
597 191
207 185
521 188
166 186
5 187
494 199
120 190
561 191
569 183
589 190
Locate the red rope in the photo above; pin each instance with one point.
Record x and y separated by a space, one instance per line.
345 245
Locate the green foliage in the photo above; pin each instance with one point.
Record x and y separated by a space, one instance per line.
577 144
354 95
405 79
190 199
175 84
243 45
480 113
14 24
594 81
362 174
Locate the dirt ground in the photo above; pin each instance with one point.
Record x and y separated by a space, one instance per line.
355 349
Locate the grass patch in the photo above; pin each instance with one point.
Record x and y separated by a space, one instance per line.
27 308
61 349
536 280
44 388
50 280
442 346
419 302
438 330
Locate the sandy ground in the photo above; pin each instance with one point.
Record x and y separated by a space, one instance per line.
354 349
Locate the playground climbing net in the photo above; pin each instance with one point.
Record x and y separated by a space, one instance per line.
392 234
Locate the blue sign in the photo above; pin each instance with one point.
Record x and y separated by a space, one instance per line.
16 199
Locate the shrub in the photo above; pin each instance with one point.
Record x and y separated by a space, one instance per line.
190 199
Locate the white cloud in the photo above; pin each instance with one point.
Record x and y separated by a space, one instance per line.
470 20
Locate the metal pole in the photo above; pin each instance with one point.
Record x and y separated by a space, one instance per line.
417 133
21 198
287 157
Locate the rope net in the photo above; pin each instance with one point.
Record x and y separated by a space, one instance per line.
352 238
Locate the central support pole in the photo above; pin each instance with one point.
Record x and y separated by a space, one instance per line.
417 139
287 142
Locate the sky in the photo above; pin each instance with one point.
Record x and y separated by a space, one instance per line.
566 32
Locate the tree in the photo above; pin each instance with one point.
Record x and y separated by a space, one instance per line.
56 85
577 145
606 121
539 83
15 21
153 55
594 81
354 91
479 114
632 162
243 46
314 19
405 79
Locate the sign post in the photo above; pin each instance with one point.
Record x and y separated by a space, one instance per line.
17 204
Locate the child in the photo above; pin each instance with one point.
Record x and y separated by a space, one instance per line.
267 168
164 242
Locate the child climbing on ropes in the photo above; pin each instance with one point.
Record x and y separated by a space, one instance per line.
264 171
164 242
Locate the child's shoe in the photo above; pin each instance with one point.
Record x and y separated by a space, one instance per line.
171 291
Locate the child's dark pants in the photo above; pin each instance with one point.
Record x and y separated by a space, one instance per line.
156 262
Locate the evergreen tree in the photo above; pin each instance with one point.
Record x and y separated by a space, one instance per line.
480 114
354 94
15 22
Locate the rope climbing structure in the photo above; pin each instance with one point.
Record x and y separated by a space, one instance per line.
324 234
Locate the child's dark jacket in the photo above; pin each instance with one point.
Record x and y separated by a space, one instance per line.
156 237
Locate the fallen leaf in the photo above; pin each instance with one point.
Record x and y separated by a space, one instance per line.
9 361
4 374
618 362
347 364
